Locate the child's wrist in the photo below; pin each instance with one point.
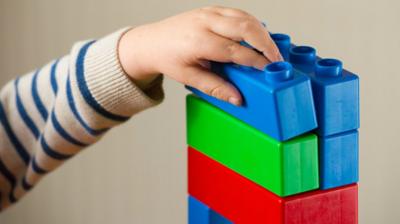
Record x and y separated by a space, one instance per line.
133 61
145 83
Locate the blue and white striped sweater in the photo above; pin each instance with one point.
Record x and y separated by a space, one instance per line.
51 114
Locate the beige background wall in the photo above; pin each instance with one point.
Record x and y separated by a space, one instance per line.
137 173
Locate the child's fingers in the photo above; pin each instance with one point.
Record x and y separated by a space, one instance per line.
211 84
249 30
225 50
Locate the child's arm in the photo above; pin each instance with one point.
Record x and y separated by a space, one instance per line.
51 114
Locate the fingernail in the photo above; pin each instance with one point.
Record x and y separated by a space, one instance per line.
234 101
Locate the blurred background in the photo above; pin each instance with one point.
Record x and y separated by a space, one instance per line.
129 178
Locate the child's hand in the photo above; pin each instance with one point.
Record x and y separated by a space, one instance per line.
181 46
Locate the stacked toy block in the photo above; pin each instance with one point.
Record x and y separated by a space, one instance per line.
288 155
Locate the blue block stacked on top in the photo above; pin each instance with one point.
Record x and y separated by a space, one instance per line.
333 114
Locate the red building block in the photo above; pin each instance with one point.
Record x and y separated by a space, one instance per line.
244 202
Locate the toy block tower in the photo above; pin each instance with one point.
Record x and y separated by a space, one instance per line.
288 155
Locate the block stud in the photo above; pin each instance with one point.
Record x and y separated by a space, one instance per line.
329 67
278 72
304 55
282 41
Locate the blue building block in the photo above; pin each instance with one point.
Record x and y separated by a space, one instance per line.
200 213
338 160
336 97
277 101
335 90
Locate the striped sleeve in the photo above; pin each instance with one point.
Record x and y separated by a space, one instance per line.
51 114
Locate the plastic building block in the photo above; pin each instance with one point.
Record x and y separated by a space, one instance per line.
200 213
244 202
277 101
336 97
338 158
284 168
335 90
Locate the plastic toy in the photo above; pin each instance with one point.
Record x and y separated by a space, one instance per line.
262 162
284 168
244 202
338 159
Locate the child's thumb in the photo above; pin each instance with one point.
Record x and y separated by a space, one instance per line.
213 85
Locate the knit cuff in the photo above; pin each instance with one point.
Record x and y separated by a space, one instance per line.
108 83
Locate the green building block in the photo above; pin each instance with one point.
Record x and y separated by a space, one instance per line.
285 168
